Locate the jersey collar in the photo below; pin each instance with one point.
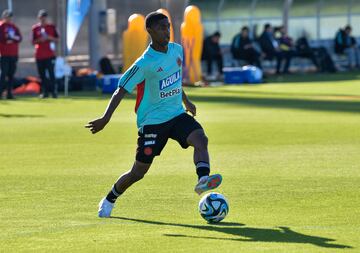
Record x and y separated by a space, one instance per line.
154 52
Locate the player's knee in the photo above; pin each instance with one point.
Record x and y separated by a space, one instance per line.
137 175
202 141
138 172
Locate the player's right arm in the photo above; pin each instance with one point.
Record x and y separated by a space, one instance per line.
98 124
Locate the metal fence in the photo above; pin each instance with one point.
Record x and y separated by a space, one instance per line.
320 19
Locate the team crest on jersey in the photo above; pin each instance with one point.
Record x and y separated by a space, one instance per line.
170 80
179 61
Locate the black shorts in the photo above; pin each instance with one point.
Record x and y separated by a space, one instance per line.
153 138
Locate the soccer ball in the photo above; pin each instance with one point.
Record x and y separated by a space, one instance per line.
213 207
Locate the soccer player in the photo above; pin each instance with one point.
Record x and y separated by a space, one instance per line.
44 37
157 75
10 37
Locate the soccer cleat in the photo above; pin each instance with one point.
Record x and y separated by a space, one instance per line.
207 183
105 208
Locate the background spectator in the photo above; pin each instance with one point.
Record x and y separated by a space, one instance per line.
10 37
346 44
271 48
44 38
242 48
212 52
304 50
287 47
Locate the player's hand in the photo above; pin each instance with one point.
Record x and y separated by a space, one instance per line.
190 107
97 125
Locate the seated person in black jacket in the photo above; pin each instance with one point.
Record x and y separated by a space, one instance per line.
212 52
304 50
242 48
346 44
271 48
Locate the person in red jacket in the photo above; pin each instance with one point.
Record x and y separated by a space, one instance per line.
10 37
44 37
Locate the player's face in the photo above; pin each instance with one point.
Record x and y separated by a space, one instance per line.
245 33
42 19
160 32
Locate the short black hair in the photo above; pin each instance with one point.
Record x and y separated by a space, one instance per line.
245 28
348 27
42 13
6 14
217 34
267 25
153 17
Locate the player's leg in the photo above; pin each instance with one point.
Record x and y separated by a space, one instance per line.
279 58
152 139
209 66
11 74
52 80
42 75
188 132
130 177
199 141
3 78
220 63
136 173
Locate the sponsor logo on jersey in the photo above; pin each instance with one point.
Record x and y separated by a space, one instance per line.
170 80
166 94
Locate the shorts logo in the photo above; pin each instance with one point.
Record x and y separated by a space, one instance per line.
170 80
148 151
147 143
150 136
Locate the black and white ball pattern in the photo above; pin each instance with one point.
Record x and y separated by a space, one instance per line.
213 207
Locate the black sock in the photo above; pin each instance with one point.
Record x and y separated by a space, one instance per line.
202 169
113 195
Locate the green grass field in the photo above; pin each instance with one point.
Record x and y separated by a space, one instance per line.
288 153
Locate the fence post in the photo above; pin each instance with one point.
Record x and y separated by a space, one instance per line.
286 10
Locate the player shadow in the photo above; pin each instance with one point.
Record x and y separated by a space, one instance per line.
5 115
248 234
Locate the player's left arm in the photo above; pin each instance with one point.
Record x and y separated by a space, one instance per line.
54 36
18 36
189 106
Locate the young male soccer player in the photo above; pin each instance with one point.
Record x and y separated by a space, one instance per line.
157 75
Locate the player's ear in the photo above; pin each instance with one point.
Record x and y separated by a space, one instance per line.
149 30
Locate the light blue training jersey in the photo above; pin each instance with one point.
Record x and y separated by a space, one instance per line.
158 79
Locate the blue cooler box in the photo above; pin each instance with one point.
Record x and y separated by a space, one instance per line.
246 74
109 83
234 75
